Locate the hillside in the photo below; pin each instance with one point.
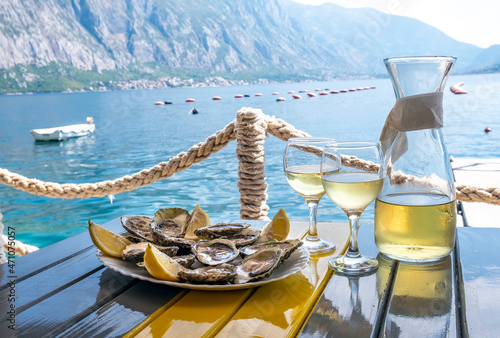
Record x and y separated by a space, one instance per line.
55 45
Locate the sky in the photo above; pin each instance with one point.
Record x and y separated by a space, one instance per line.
472 21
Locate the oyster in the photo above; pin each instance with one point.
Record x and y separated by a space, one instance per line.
185 260
160 238
288 246
220 230
219 274
245 237
258 265
135 252
172 221
139 226
215 252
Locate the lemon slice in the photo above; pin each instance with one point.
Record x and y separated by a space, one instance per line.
277 229
107 241
161 266
198 219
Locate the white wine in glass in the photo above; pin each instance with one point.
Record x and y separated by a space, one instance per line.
352 174
301 164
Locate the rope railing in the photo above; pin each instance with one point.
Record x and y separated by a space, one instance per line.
249 130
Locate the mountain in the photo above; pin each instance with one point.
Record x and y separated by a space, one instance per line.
58 44
489 59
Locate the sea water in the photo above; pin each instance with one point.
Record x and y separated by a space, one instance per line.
133 134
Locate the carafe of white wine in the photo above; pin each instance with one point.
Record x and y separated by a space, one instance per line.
415 213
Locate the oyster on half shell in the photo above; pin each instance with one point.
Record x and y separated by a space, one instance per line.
258 265
219 274
245 237
215 252
135 252
220 230
288 246
171 221
139 226
160 238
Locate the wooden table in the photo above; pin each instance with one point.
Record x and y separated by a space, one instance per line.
63 290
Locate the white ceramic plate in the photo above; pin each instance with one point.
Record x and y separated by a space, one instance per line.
295 263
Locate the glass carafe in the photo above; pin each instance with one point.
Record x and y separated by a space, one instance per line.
415 213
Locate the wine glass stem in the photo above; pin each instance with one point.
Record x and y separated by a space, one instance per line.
313 232
353 250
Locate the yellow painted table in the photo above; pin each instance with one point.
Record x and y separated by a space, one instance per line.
65 291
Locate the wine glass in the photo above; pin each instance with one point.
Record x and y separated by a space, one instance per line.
352 174
301 163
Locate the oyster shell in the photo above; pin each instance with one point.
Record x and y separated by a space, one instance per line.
245 237
135 252
185 260
160 238
139 226
219 274
215 252
258 265
220 230
172 221
288 246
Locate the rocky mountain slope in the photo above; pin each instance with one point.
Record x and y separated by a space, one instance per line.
270 38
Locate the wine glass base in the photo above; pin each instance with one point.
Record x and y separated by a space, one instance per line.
353 266
318 246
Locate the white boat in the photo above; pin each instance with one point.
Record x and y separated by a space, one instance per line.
64 132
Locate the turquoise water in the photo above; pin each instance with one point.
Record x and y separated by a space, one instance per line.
133 134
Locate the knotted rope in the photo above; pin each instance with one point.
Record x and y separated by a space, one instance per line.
250 130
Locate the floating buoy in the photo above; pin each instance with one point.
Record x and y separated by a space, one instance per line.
276 93
334 92
456 88
159 103
258 94
216 98
323 93
487 129
238 96
311 94
296 96
190 100
280 99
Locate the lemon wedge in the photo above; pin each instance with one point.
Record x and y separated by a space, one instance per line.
277 229
161 266
198 219
107 241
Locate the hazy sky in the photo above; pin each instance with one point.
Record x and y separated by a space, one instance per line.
473 21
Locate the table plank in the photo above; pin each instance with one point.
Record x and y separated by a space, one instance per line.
348 305
479 266
422 300
54 254
123 313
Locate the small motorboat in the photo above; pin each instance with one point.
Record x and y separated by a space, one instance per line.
216 98
296 96
190 100
280 99
323 93
238 96
456 88
334 92
193 111
276 93
246 95
311 94
291 92
258 94
64 132
343 90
